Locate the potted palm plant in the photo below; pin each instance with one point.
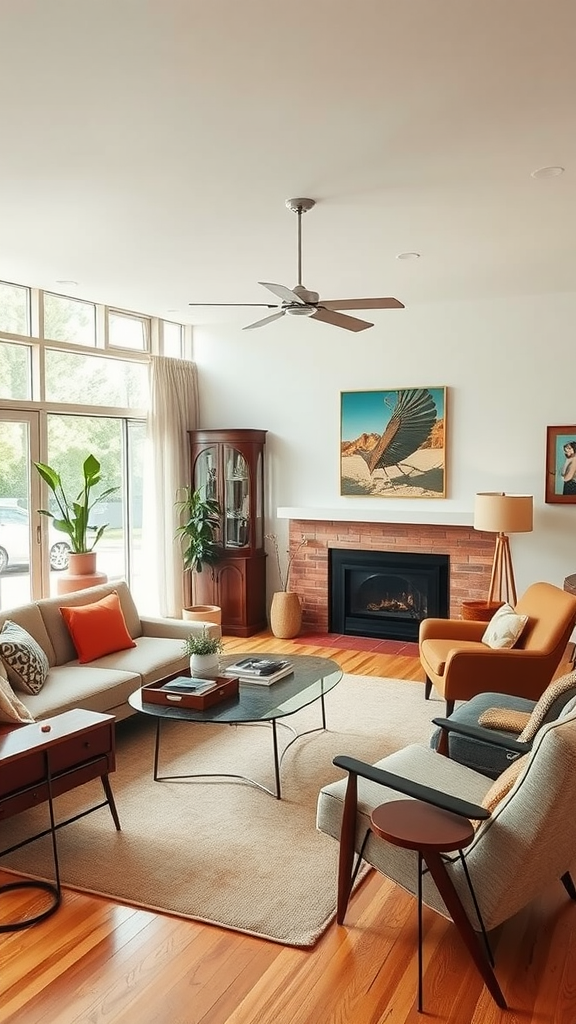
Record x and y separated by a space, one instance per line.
73 519
200 523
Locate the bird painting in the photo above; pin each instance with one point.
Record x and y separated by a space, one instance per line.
411 420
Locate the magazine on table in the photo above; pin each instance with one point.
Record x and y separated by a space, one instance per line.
189 684
260 669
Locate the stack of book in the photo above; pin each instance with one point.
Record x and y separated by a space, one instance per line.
259 669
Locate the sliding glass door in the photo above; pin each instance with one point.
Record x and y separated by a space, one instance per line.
32 552
20 532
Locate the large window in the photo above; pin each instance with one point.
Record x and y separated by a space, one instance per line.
14 308
59 403
95 380
69 320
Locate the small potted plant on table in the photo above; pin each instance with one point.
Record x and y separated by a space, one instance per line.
203 651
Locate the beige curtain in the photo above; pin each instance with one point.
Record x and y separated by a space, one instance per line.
173 411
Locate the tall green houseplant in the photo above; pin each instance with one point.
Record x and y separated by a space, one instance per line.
73 517
201 519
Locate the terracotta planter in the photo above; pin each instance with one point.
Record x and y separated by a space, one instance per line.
285 614
81 573
203 613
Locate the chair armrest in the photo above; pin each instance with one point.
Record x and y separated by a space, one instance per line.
413 789
476 732
451 629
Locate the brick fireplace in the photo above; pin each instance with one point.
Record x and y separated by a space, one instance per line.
469 551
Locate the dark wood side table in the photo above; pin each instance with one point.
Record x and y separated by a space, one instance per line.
39 762
431 831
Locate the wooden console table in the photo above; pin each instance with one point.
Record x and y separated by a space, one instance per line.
43 760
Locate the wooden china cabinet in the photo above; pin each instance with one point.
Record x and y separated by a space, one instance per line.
229 465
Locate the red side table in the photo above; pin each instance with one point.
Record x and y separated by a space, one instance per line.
431 831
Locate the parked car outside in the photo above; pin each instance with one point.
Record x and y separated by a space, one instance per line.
15 540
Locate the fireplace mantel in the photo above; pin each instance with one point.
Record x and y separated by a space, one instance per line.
348 514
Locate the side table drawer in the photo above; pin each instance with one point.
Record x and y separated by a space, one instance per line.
22 800
83 747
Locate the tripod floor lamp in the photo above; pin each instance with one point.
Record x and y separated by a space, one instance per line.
502 514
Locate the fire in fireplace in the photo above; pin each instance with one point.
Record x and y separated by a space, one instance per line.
385 594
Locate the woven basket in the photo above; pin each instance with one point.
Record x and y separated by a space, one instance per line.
285 614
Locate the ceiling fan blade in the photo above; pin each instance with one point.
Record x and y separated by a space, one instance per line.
350 323
286 294
266 320
265 305
363 304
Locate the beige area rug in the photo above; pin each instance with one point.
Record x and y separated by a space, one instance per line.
227 853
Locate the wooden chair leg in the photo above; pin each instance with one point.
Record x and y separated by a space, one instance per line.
568 884
346 857
449 707
467 933
427 689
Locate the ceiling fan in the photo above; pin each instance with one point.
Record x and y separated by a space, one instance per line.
299 301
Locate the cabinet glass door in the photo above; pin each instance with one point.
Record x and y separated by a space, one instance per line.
236 499
205 473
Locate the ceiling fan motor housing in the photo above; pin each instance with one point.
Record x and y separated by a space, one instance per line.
298 310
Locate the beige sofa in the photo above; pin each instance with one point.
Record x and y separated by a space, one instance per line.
105 684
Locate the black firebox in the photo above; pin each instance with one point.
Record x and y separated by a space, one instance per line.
385 594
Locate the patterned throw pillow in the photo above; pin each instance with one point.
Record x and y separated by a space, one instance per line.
504 628
25 661
553 691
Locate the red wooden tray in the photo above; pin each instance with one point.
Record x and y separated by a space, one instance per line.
227 686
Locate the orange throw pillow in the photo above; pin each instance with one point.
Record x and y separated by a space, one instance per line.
98 629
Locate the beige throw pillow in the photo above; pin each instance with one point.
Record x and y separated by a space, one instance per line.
504 628
11 709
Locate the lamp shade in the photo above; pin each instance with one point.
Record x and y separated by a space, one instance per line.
503 513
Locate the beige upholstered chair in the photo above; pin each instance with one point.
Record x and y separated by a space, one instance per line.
527 843
459 665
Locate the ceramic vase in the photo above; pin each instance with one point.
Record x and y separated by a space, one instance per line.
81 573
204 664
285 614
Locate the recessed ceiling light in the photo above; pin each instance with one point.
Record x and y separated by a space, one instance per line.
547 172
408 256
67 281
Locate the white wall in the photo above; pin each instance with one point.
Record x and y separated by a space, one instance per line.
508 367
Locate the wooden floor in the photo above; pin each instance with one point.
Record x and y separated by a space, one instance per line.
98 962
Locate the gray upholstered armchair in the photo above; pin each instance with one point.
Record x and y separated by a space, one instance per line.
526 841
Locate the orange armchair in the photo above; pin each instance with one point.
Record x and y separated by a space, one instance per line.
459 665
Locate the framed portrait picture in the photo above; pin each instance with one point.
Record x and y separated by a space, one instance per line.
560 465
393 443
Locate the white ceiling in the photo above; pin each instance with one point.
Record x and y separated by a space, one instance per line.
148 146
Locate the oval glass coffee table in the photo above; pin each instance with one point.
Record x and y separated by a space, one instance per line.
255 703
